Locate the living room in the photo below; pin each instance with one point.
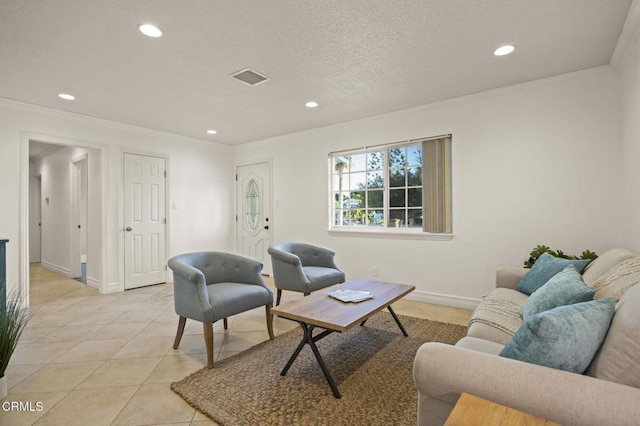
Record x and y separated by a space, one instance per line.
536 161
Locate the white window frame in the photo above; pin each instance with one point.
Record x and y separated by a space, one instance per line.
385 231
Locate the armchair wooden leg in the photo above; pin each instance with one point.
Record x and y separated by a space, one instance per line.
208 341
181 322
278 296
226 324
269 322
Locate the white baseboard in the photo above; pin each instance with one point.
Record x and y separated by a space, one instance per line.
92 282
114 287
443 299
55 268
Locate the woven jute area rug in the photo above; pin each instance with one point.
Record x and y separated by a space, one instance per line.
372 367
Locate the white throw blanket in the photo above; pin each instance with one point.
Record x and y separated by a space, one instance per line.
499 312
618 279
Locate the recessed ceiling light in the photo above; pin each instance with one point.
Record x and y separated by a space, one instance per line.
66 96
504 50
211 132
311 104
150 30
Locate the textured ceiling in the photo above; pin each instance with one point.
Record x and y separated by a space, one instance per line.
356 58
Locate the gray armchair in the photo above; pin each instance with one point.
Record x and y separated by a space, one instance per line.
303 267
209 286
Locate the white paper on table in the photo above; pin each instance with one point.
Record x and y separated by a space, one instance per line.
350 295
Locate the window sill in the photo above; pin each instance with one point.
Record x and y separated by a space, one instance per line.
387 233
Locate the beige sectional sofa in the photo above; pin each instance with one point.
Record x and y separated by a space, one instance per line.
607 394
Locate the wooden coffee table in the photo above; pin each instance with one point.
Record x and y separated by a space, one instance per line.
319 310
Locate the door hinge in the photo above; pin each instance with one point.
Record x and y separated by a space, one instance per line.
236 177
165 268
236 218
164 221
165 173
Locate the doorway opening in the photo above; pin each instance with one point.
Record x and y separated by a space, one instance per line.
63 214
79 213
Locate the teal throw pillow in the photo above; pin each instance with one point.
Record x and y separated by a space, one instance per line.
564 288
566 337
546 267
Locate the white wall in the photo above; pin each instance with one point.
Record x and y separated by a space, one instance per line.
55 172
200 181
534 163
537 163
630 118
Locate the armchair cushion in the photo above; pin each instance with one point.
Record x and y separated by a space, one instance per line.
228 299
566 337
564 288
546 267
320 277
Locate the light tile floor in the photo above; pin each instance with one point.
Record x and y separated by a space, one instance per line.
92 359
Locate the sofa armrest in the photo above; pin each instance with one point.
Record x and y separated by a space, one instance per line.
509 277
442 372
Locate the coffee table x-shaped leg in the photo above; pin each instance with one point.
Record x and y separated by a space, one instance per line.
309 339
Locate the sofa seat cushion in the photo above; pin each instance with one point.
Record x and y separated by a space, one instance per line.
566 337
618 279
546 267
497 318
619 357
480 345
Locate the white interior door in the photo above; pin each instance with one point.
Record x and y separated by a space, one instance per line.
144 220
253 212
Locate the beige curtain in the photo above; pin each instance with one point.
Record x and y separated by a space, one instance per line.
436 189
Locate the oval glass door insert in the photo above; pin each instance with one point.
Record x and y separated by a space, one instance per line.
253 205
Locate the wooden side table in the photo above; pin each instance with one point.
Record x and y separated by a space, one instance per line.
472 411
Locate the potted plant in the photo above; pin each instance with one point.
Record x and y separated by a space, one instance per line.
539 250
13 319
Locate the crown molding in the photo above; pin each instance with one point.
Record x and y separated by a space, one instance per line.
628 36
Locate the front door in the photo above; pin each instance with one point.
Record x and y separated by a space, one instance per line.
144 220
253 212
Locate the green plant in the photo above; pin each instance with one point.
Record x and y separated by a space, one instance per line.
539 250
13 319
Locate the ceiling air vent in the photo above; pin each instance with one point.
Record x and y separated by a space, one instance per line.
250 77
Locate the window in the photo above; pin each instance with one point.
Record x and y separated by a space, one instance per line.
403 187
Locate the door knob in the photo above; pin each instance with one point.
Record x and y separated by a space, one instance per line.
266 227
128 229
